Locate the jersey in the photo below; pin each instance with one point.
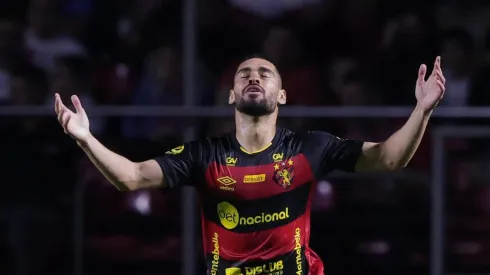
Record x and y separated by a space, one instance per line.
255 207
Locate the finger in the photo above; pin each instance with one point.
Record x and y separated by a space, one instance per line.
61 116
65 120
60 113
441 76
441 86
435 68
61 104
64 110
76 102
65 125
436 63
57 103
422 72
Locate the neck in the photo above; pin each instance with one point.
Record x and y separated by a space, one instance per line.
255 133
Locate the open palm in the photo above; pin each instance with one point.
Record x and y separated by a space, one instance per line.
75 124
429 92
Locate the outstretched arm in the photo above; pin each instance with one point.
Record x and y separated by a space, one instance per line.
124 174
397 151
121 172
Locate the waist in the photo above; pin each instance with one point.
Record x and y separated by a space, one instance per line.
261 245
291 263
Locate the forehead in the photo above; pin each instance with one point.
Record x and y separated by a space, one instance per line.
256 63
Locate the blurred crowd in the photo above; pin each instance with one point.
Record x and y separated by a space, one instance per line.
329 53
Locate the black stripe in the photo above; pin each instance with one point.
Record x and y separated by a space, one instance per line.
286 143
290 263
255 215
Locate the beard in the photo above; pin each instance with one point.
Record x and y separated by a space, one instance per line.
255 108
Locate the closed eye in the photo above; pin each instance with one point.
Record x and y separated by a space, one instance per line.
265 72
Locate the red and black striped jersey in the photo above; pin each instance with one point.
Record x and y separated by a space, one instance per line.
256 206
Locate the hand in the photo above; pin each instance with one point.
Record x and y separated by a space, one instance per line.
75 124
430 92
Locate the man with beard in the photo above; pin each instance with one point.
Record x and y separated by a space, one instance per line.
256 183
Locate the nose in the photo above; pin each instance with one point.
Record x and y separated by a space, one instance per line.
253 81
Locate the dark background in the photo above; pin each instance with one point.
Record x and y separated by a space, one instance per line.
330 53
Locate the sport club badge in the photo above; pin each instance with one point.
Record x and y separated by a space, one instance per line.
284 173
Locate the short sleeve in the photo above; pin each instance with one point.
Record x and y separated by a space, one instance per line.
181 165
327 153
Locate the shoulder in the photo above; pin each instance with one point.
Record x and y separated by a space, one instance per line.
305 137
202 148
304 141
320 136
217 142
310 143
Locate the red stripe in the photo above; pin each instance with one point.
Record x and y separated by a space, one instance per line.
266 244
251 191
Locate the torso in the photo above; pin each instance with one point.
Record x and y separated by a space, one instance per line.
256 208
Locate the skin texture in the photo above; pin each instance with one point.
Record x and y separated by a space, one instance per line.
257 88
256 95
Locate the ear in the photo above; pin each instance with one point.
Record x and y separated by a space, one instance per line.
231 98
281 97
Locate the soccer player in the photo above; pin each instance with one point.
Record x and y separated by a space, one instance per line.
256 184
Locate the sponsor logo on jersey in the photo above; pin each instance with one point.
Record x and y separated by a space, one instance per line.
278 157
271 268
231 161
230 218
177 150
215 261
233 271
226 183
284 173
297 249
254 178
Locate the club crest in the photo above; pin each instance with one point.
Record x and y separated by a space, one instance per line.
284 173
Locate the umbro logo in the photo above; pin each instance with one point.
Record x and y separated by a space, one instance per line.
226 183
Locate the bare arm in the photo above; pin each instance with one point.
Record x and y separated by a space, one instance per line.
121 172
397 151
124 174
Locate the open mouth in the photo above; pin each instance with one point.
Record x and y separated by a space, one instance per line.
254 89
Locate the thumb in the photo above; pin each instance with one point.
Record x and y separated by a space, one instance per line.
422 72
77 104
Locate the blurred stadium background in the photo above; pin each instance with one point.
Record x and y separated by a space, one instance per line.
153 73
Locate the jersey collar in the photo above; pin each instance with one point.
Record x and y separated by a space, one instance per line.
270 146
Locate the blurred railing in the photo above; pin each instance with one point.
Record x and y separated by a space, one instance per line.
438 190
225 111
190 219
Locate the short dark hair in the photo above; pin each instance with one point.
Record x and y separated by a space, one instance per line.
258 56
263 57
